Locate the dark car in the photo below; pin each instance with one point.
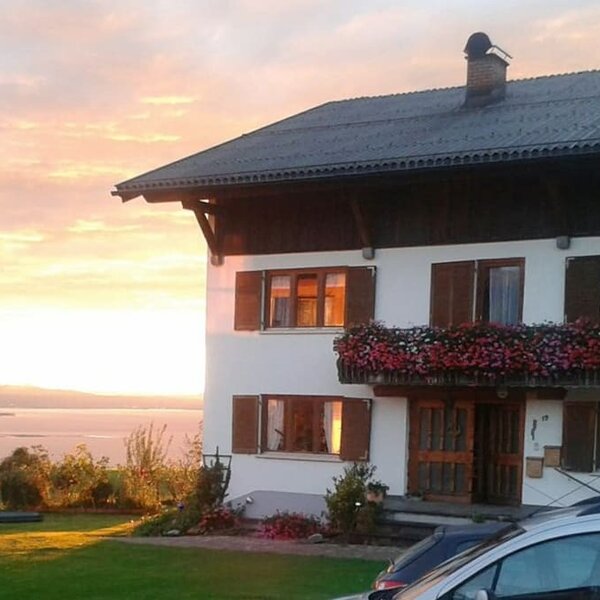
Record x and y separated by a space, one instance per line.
444 543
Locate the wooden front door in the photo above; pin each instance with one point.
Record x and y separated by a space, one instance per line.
499 452
441 443
467 449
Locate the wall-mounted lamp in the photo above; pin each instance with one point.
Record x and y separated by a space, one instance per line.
563 242
368 253
502 392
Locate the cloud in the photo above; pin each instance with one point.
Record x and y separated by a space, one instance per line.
169 100
93 93
96 226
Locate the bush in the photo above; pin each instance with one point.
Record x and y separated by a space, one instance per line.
146 453
347 497
157 525
181 477
24 478
212 482
290 526
217 518
80 481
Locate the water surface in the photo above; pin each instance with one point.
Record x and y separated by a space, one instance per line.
103 430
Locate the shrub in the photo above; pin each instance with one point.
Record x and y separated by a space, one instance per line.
157 525
80 481
24 478
211 485
366 518
181 477
347 497
146 453
290 526
216 518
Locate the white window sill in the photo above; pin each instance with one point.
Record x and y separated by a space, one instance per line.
307 330
302 456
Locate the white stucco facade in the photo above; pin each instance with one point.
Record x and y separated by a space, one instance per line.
302 362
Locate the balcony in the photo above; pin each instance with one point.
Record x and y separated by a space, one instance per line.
473 354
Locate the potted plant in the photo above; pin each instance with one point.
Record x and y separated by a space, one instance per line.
376 491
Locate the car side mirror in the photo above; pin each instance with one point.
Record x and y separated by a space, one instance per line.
485 595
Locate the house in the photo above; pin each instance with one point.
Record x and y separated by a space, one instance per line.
477 203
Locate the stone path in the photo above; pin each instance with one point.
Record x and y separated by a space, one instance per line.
252 544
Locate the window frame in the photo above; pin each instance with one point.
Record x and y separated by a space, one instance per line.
592 453
317 404
480 275
482 271
294 275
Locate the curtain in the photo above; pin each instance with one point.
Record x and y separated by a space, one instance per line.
275 424
332 425
504 292
280 301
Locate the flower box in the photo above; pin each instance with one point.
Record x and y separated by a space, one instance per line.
473 354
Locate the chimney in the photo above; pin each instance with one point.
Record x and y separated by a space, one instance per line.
486 71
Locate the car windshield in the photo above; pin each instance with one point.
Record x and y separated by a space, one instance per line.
453 564
414 552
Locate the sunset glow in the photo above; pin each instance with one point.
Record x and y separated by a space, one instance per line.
102 296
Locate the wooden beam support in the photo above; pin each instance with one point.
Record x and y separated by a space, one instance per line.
203 207
216 256
368 251
560 216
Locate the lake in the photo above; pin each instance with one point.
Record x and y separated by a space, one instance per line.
103 430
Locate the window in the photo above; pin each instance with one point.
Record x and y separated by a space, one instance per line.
567 564
297 424
582 289
581 450
304 298
485 290
302 424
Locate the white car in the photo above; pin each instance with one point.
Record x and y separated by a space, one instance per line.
552 557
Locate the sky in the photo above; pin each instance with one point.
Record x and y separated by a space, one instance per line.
100 296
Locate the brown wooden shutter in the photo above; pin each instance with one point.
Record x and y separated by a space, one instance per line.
360 295
245 425
248 296
582 289
579 428
452 293
356 429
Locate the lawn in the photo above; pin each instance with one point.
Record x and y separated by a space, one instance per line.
67 558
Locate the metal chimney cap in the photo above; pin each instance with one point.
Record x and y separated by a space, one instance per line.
478 45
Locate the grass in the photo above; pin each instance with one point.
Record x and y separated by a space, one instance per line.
67 557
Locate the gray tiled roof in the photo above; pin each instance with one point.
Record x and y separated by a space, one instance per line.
545 116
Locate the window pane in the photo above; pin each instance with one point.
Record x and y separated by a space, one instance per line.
275 425
306 302
482 581
332 427
335 294
504 295
302 425
562 564
280 296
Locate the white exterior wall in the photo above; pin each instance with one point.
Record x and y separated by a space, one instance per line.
543 427
303 362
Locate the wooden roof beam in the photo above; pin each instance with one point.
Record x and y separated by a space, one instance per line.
368 251
200 209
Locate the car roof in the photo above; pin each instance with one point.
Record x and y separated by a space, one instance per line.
473 529
558 515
